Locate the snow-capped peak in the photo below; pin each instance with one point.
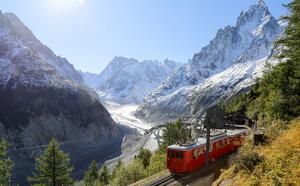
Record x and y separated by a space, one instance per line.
127 80
19 38
256 16
262 3
249 40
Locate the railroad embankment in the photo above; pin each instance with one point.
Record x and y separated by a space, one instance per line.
277 162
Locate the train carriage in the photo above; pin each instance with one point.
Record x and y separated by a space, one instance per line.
236 138
187 158
183 159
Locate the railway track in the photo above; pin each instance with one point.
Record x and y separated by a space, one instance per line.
164 180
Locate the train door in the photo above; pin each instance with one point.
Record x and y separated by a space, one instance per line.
228 144
236 142
175 161
201 158
194 163
222 147
211 151
179 161
171 160
218 150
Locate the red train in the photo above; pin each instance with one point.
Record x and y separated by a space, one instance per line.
188 158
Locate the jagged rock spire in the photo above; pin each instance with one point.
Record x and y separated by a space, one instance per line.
262 3
256 13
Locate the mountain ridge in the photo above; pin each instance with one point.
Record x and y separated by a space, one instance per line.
22 32
127 80
251 39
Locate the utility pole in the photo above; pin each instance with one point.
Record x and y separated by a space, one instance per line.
214 118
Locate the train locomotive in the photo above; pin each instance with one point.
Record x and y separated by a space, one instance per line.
187 158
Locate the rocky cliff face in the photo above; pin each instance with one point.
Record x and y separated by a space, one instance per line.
43 96
127 80
229 62
36 83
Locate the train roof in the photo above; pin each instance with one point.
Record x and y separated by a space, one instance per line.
215 136
236 132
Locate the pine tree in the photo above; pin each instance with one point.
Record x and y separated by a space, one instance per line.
104 178
173 133
279 89
144 155
5 164
289 71
53 167
91 176
157 164
129 174
116 168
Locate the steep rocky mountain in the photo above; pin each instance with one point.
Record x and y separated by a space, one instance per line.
43 96
127 80
12 26
227 65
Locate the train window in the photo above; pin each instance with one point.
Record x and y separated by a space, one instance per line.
210 148
195 154
219 144
179 155
201 151
171 154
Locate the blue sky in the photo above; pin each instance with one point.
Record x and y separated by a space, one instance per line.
89 33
